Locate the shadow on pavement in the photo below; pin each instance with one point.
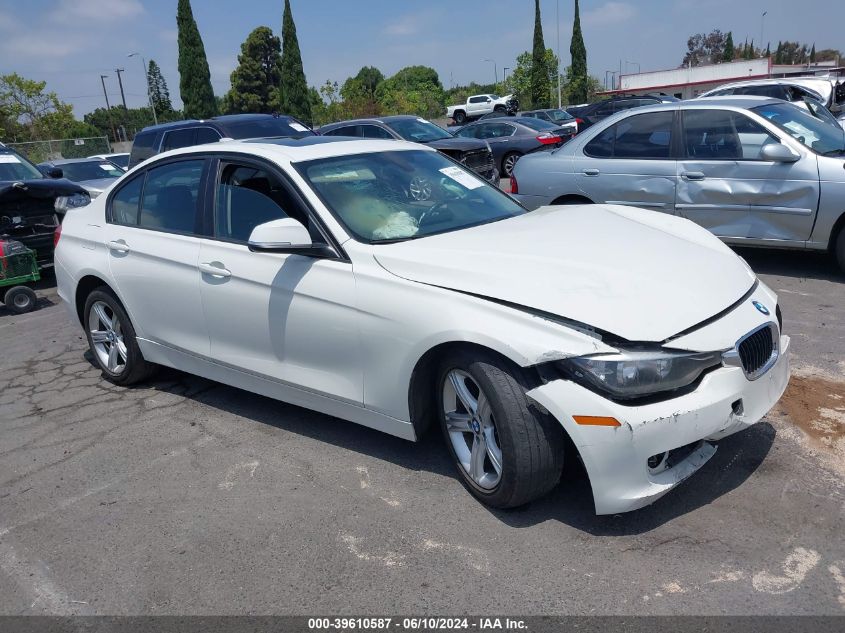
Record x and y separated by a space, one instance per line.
571 502
796 264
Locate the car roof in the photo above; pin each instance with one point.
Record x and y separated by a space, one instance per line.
372 119
737 101
297 150
67 161
219 121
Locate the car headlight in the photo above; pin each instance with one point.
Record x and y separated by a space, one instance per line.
63 203
634 374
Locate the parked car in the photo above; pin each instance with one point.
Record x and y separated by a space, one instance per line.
514 332
160 138
121 159
794 89
754 171
479 105
31 204
95 175
513 138
589 115
453 128
554 115
474 154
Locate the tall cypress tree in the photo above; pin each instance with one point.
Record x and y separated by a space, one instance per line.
159 94
293 87
540 87
813 54
578 78
728 55
779 53
255 82
194 76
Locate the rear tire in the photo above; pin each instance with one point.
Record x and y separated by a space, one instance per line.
500 108
839 249
20 299
460 117
509 162
507 453
112 340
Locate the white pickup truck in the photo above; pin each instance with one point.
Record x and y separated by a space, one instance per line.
479 105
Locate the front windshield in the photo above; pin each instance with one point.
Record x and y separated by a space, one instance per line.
398 195
805 128
560 115
418 130
90 170
14 167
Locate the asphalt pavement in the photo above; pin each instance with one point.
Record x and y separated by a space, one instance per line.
185 496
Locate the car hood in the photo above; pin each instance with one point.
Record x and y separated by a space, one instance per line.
458 144
640 275
13 191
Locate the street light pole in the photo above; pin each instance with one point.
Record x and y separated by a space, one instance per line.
505 77
557 24
762 25
495 73
147 81
108 106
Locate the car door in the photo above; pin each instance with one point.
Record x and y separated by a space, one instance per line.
478 105
498 136
152 235
631 162
725 186
287 317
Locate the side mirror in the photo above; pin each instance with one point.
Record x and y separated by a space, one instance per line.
286 235
55 172
778 153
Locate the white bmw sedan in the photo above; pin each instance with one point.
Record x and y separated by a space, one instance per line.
383 283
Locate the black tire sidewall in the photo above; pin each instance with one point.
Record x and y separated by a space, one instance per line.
479 368
839 249
134 358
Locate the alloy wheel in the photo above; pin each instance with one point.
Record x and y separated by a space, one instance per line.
472 429
107 337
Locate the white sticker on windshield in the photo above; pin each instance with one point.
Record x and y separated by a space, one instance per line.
107 168
298 127
9 158
460 176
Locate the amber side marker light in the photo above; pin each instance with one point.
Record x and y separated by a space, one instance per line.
595 420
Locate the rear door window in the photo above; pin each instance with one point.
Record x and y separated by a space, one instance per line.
643 136
175 139
348 130
169 201
206 135
374 131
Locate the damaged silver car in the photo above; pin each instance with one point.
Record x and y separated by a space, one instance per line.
754 171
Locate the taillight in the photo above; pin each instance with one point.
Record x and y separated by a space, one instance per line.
56 235
579 121
514 185
547 138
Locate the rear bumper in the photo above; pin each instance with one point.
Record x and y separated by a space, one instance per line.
616 458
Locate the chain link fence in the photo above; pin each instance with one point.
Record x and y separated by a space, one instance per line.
39 151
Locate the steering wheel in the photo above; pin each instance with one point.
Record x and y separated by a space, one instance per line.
432 214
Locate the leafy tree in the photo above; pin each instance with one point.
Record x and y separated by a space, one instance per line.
359 92
412 90
829 55
159 94
539 70
578 77
293 87
134 119
29 112
255 82
705 48
194 76
728 54
519 81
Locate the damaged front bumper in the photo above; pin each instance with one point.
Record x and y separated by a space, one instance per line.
674 434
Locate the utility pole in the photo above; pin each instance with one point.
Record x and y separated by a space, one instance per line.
108 107
120 81
557 24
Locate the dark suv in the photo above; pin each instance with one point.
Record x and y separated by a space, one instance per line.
160 138
474 153
593 113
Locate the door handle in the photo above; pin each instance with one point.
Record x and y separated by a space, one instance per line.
118 245
591 172
209 268
693 175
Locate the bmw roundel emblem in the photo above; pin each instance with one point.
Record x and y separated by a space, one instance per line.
761 307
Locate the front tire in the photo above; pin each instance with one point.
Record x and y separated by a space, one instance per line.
112 340
507 453
839 249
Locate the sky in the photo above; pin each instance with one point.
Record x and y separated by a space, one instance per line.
70 43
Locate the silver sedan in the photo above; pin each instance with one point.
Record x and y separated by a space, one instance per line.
754 171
